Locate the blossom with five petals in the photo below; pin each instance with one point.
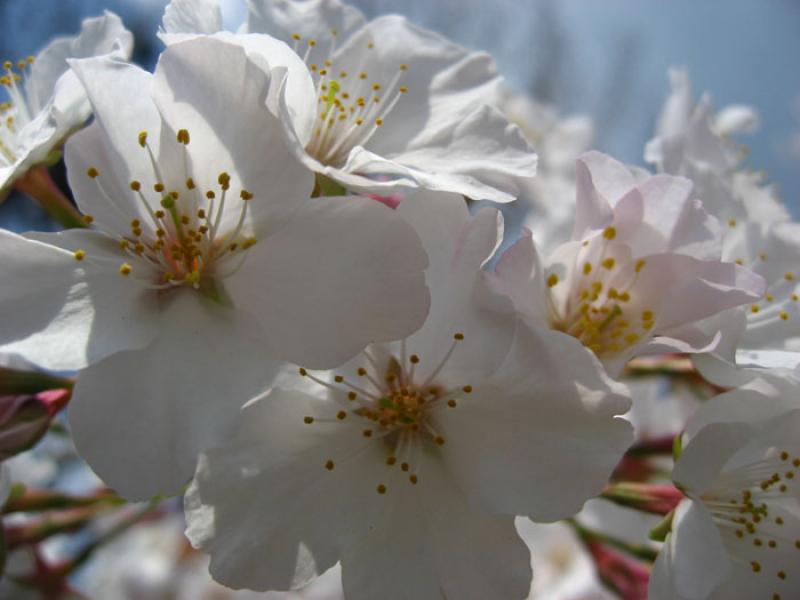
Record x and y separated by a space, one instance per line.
409 462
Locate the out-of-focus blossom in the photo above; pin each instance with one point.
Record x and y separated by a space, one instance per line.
735 536
641 270
378 466
207 249
46 101
558 142
25 419
395 106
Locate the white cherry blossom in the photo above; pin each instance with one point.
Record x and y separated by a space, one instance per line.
46 102
641 270
411 461
736 535
394 106
208 262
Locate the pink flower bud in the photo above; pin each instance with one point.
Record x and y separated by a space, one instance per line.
626 576
24 419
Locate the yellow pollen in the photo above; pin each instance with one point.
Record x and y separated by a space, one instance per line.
143 139
403 66
610 233
609 263
467 389
125 269
413 479
79 255
88 219
458 336
640 265
403 89
329 465
308 420
754 308
183 136
413 359
362 75
404 466
732 222
451 403
552 280
390 460
381 489
587 268
136 186
788 276
784 315
92 172
296 37
159 187
224 180
378 122
367 433
245 195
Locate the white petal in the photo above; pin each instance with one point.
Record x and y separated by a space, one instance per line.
431 544
140 418
342 273
461 302
549 410
66 313
98 36
197 82
266 508
192 16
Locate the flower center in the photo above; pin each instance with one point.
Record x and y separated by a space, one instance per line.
750 507
183 241
352 106
601 308
15 113
394 406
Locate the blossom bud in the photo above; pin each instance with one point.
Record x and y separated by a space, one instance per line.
653 498
24 419
626 576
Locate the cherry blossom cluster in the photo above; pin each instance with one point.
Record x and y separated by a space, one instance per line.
280 300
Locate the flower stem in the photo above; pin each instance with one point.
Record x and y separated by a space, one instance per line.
39 186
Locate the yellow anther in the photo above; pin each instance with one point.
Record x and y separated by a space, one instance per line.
88 219
647 315
79 255
183 136
769 297
467 389
552 280
754 308
610 233
296 37
158 187
381 489
341 415
439 440
788 276
451 403
8 65
224 180
136 186
640 265
763 256
403 66
363 75
249 242
624 297
413 359
794 297
632 338
367 433
125 269
587 268
308 420
413 479
92 172
609 263
731 222
403 89
458 336
329 465
379 122
143 139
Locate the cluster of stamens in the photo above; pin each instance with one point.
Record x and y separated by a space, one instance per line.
598 314
751 522
394 407
182 239
14 113
351 106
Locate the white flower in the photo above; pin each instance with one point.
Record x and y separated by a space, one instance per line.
642 268
691 141
46 101
408 464
391 100
208 261
736 535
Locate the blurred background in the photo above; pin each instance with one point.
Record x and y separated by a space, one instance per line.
607 60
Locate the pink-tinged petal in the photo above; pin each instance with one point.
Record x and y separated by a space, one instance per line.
432 544
342 273
519 274
550 393
195 85
192 16
265 506
140 418
69 313
601 181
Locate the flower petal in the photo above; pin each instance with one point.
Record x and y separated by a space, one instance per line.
69 313
342 273
192 16
140 418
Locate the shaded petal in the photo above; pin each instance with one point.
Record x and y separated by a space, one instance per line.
342 273
197 82
192 16
549 410
431 544
140 418
68 314
100 35
265 507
